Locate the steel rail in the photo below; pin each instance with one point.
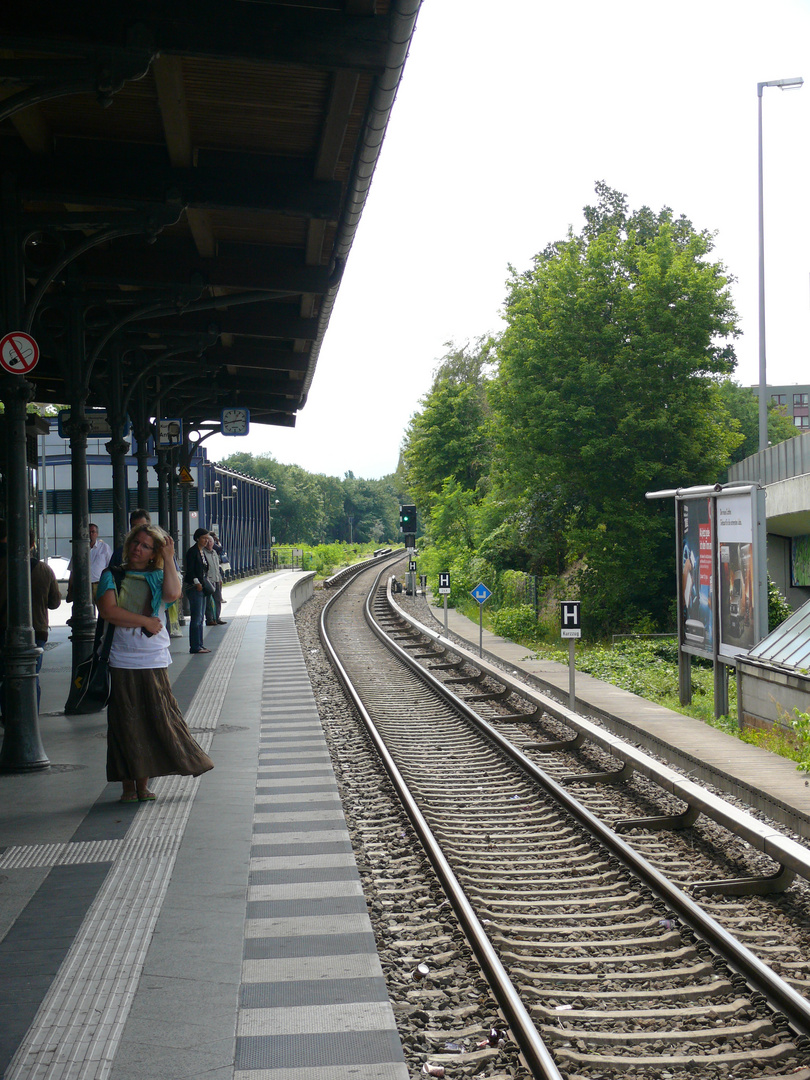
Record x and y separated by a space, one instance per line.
521 1025
781 996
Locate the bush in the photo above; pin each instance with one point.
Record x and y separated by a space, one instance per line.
516 623
778 607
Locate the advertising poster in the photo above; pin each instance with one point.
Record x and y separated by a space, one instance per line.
697 576
735 540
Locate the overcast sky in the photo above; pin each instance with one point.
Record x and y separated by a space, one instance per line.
506 117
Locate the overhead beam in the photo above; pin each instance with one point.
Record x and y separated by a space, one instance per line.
210 399
167 265
99 183
171 91
213 29
244 353
272 321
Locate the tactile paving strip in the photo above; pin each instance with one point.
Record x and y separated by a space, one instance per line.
79 1024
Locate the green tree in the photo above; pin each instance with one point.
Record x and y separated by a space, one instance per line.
449 436
608 387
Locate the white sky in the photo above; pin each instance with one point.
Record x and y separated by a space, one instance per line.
507 115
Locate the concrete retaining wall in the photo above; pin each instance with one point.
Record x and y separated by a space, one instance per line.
302 590
766 697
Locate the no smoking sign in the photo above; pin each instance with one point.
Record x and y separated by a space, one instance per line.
19 352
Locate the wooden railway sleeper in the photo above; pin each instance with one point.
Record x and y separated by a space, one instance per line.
616 776
683 820
492 695
557 744
748 886
516 718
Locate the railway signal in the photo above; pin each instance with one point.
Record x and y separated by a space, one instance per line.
407 519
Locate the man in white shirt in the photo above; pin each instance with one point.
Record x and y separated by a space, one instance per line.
100 553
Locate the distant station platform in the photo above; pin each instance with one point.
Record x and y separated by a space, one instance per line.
220 931
764 781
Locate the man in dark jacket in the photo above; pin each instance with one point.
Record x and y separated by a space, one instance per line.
196 587
45 596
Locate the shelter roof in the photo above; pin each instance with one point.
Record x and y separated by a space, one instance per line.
191 175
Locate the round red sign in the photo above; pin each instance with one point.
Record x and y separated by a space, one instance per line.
19 352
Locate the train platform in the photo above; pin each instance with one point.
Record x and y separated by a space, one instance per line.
220 931
762 780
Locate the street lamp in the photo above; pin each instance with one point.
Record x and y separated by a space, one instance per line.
273 507
783 84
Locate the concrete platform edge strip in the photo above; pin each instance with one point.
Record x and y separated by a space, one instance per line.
314 940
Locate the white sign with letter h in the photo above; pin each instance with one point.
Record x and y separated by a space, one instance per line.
570 626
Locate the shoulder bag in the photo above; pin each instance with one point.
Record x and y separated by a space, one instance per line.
90 688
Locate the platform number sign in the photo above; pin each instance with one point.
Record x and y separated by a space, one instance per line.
444 584
570 625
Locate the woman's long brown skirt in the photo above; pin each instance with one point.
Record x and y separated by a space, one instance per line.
146 732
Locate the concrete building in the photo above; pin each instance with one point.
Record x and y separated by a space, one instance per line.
784 469
238 507
793 400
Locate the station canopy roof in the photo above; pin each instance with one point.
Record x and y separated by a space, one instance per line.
788 645
191 174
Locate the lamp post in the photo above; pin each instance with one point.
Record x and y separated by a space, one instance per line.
273 507
783 84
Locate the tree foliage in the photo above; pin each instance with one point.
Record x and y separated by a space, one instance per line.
608 386
314 508
449 438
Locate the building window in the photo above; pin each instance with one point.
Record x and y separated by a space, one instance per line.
779 399
801 421
801 399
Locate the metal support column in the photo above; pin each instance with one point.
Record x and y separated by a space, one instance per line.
117 448
162 470
142 431
83 618
22 747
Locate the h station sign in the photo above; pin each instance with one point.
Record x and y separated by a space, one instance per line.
571 628
570 622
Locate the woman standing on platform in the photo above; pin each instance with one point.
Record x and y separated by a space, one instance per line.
196 572
146 733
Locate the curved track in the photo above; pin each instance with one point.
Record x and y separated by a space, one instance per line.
616 968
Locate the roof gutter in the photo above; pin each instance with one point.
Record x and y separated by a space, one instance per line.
402 18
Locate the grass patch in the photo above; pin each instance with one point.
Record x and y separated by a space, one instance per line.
649 668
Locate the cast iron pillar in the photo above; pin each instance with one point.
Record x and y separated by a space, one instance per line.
22 747
83 617
142 431
162 470
117 448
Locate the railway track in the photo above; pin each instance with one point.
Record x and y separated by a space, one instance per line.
584 942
